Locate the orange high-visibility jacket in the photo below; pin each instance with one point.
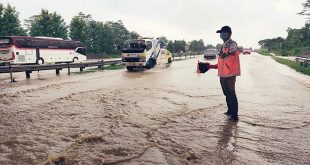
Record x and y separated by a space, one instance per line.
230 65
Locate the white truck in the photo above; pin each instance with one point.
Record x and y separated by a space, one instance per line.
144 53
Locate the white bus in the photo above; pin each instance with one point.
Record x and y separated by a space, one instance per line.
39 50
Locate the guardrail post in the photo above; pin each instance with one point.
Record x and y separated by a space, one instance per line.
11 74
69 68
57 71
81 69
28 74
102 66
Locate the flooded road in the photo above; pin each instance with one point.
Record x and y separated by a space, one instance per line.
162 116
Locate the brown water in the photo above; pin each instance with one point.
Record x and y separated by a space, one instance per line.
162 116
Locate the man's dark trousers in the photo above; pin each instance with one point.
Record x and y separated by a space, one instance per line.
228 87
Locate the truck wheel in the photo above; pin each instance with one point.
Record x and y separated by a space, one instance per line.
169 60
130 68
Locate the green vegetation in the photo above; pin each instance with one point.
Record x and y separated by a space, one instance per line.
176 46
47 24
297 40
294 65
108 67
264 52
306 9
197 46
100 38
9 21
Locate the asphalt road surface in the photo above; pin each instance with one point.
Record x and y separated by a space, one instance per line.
161 116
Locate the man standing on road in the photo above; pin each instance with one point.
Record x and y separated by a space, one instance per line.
228 68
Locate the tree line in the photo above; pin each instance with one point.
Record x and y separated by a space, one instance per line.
98 37
297 40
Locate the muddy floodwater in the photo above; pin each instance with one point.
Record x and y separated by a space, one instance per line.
161 116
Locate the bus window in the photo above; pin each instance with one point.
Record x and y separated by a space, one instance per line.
20 42
81 50
5 42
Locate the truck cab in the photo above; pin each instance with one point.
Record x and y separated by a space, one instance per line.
144 53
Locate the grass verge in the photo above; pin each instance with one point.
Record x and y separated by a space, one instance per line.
294 65
109 67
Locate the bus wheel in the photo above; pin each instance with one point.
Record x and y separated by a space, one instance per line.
40 61
75 59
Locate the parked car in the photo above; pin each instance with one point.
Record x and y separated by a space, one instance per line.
210 54
246 51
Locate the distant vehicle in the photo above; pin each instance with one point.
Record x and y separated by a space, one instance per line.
303 59
240 49
144 53
40 50
246 51
210 54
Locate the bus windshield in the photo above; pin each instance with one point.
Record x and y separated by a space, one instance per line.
5 42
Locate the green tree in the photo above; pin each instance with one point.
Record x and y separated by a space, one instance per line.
296 42
47 24
197 45
179 46
9 21
306 9
109 39
78 27
95 35
210 46
170 46
274 44
120 33
133 35
163 40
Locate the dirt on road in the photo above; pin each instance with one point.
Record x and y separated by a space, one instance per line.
161 116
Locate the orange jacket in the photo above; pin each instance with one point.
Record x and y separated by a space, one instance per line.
230 65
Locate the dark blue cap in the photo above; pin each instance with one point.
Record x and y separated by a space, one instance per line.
224 29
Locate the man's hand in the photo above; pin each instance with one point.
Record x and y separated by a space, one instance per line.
223 55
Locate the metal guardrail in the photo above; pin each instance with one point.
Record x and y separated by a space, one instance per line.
30 68
186 55
303 61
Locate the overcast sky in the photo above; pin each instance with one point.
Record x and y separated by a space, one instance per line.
250 20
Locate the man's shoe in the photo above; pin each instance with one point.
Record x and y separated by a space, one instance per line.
233 119
227 113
